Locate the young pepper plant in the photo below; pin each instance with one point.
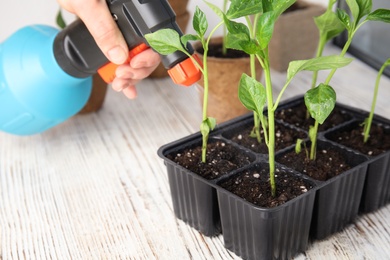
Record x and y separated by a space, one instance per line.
368 121
253 96
329 26
252 93
245 9
167 41
321 100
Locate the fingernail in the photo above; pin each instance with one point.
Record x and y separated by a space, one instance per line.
139 65
124 75
117 55
117 87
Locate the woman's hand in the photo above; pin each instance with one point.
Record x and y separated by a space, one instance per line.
98 20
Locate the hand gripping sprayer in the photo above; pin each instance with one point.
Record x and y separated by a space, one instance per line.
45 74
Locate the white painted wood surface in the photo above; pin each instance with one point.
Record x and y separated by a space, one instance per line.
94 187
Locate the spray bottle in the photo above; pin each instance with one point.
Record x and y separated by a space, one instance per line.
46 74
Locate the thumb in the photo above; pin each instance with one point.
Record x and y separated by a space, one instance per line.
100 23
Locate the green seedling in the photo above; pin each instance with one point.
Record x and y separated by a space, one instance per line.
321 100
298 147
167 41
329 26
368 121
254 40
253 94
231 41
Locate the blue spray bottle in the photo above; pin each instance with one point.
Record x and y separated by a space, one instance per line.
45 74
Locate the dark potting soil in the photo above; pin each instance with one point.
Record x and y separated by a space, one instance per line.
377 143
221 158
328 163
254 186
297 116
215 50
284 137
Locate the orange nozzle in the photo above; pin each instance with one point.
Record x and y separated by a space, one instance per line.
186 72
107 72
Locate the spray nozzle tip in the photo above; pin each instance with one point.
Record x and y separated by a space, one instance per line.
186 72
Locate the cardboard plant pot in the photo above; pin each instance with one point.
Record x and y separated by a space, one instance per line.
179 6
295 35
97 97
224 77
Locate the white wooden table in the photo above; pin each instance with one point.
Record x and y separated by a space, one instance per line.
94 187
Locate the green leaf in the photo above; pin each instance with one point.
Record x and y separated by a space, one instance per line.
241 8
189 37
216 10
265 29
60 20
332 2
298 146
252 94
237 28
267 5
235 41
359 8
242 43
239 38
316 64
381 15
204 128
320 102
199 22
365 7
344 18
207 126
355 10
212 122
279 6
329 25
165 41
